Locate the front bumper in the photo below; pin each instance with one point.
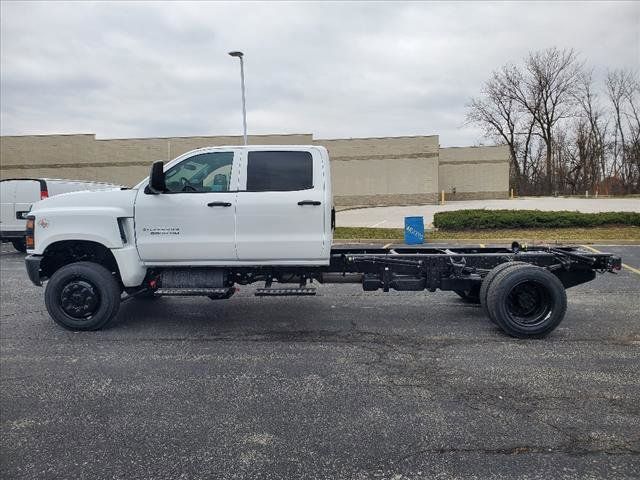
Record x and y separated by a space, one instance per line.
32 262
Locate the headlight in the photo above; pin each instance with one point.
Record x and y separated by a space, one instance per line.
30 235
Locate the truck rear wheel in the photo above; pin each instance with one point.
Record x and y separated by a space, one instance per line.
488 280
527 301
82 296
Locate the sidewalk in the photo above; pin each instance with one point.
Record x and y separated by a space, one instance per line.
393 217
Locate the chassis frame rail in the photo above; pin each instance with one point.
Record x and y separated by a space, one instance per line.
463 268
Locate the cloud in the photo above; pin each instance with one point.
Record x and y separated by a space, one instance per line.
125 69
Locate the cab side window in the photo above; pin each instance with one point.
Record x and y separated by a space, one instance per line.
272 171
206 172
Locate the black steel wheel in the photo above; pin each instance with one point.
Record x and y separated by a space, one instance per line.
82 296
488 280
527 302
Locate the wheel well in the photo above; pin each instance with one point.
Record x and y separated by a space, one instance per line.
59 254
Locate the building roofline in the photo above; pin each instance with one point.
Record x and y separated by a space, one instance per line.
210 136
478 146
377 138
157 138
50 135
221 136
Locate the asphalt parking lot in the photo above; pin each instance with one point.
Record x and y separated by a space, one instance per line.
342 385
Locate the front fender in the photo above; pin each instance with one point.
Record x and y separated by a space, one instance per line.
91 216
53 225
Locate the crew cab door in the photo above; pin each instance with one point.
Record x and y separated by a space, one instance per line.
194 221
280 215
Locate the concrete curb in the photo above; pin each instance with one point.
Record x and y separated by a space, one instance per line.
489 241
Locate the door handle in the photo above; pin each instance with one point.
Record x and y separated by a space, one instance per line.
218 204
309 202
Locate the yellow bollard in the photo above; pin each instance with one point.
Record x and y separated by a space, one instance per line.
442 198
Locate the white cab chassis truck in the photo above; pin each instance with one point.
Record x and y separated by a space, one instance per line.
218 217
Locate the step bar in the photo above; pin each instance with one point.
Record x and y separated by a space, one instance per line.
193 292
285 292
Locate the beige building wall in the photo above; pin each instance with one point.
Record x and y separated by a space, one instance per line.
383 171
123 161
365 171
119 175
39 151
149 150
470 173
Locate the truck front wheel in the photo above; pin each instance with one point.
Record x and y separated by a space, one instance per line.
82 296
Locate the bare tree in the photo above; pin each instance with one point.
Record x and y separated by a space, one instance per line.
546 90
501 119
633 152
623 91
561 135
590 132
616 85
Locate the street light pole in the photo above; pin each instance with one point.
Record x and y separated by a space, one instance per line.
240 55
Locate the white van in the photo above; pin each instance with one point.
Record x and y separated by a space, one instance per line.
18 194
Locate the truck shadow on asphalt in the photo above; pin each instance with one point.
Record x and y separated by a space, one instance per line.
446 316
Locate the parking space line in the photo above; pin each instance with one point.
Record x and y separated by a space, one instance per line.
376 224
632 245
481 245
634 270
624 265
387 245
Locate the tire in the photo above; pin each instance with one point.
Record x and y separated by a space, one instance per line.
19 244
82 296
469 296
486 283
527 301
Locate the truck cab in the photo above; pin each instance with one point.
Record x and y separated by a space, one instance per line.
238 205
214 206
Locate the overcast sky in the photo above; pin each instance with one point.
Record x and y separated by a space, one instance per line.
125 69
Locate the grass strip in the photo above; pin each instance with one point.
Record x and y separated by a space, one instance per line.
540 234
